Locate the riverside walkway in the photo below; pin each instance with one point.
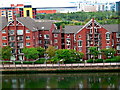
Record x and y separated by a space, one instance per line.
54 67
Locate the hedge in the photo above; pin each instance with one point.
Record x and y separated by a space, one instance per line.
40 61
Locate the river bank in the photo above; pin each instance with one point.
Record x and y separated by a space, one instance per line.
60 68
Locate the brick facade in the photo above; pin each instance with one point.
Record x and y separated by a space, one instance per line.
26 32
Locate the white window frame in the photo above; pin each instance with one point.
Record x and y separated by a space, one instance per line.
56 47
27 44
118 47
4 44
3 31
27 31
4 38
107 47
27 38
19 32
79 43
107 36
55 41
118 35
55 35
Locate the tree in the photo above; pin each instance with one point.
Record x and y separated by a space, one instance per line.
30 53
41 51
62 54
108 52
51 51
6 52
75 55
94 52
67 55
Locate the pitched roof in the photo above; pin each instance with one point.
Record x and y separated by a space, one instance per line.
3 22
28 22
72 29
33 25
112 27
44 25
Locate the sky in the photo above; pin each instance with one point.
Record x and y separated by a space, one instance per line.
44 3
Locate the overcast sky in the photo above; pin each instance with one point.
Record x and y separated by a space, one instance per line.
43 3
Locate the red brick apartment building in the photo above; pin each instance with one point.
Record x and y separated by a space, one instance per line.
27 32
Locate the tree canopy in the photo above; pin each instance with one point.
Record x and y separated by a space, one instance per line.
30 53
6 52
108 52
51 51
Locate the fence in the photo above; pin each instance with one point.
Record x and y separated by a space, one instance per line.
48 66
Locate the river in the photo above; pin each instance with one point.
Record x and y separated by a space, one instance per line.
57 80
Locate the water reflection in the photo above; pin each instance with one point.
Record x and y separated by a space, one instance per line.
84 80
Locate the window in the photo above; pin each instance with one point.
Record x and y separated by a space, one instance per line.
118 35
10 14
28 13
19 51
107 47
13 51
46 36
68 35
55 41
3 31
79 36
27 37
55 35
118 40
95 30
79 43
91 31
4 38
68 41
27 31
27 44
20 45
40 41
10 18
68 47
11 38
107 36
56 47
118 52
12 44
4 44
118 47
11 32
19 32
9 11
46 42
108 42
40 35
80 49
20 38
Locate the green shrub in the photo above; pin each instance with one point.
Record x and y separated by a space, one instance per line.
17 62
27 62
90 61
115 59
99 61
40 61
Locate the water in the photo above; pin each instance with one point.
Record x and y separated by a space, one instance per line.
69 80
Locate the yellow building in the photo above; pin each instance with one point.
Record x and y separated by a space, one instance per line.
27 12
